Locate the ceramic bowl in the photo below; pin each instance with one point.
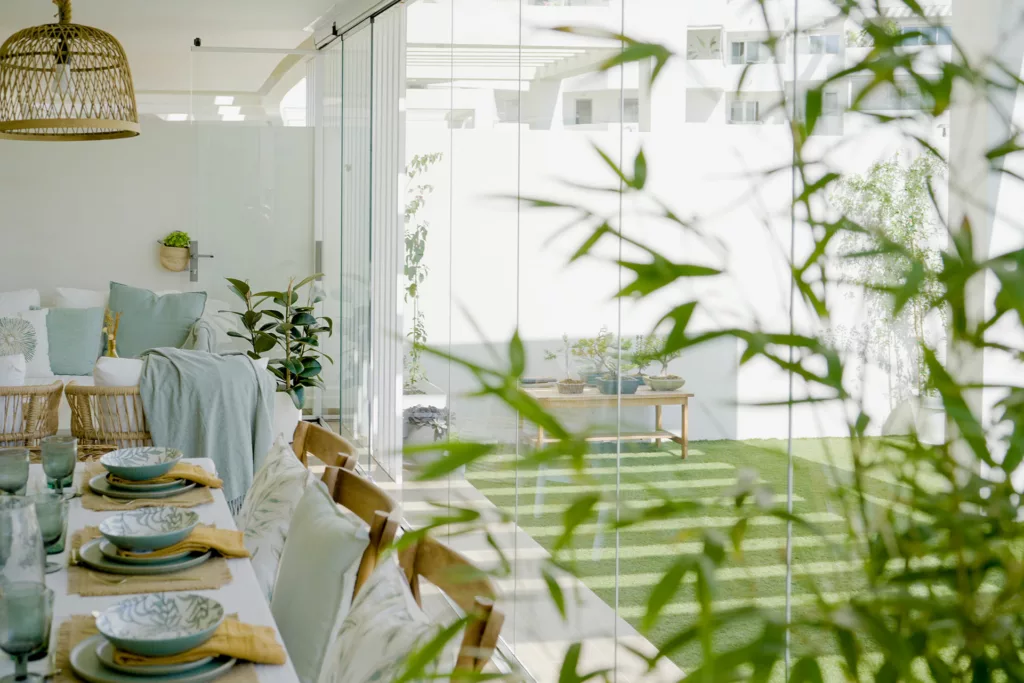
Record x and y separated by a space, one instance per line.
161 624
665 384
149 528
141 464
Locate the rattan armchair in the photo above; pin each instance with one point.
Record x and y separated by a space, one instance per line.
108 415
29 413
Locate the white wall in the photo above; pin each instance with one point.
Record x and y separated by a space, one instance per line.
79 214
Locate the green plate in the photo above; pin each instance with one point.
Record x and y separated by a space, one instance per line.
143 486
109 551
101 487
105 653
86 664
91 556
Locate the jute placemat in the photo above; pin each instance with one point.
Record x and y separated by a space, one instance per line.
213 573
79 627
200 495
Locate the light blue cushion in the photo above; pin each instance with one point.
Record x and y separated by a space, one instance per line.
149 321
316 578
76 339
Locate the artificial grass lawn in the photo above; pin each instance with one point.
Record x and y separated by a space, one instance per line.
646 551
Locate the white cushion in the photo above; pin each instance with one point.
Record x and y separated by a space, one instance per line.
68 297
25 333
15 302
12 374
384 626
267 512
12 370
117 372
316 578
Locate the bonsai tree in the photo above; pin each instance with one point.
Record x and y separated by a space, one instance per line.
602 352
272 321
563 356
645 351
177 239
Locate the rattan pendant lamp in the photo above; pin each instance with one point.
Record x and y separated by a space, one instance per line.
65 82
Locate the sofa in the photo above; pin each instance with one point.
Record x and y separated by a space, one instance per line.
60 332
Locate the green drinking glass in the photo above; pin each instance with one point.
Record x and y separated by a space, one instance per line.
52 513
59 455
26 615
13 470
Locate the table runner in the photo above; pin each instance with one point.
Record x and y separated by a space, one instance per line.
80 626
213 573
200 495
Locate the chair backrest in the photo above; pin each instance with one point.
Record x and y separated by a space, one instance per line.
108 415
361 496
29 413
465 584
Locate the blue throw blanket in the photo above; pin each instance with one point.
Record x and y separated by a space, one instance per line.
211 406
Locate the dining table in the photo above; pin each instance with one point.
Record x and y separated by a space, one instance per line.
242 596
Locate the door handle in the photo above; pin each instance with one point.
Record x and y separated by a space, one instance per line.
193 260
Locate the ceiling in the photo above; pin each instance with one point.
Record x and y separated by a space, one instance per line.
158 34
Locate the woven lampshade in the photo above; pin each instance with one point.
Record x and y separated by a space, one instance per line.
65 82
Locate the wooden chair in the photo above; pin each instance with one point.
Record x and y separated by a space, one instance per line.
29 413
360 495
108 415
467 586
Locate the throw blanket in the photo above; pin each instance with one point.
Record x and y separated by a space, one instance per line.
210 406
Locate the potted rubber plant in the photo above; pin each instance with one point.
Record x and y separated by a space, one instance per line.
286 336
174 251
563 355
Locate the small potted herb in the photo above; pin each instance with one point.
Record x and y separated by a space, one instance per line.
563 355
174 251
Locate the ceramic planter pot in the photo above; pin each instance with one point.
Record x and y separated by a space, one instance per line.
286 415
572 387
665 384
174 258
610 385
591 378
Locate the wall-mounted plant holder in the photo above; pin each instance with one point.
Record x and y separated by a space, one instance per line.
174 254
174 258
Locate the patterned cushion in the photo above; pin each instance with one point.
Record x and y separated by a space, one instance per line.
25 333
384 626
276 489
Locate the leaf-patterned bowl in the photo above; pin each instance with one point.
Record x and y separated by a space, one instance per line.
161 624
141 464
149 528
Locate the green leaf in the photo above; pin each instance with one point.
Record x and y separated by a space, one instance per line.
581 509
456 454
307 280
813 108
303 319
639 171
806 670
665 590
311 368
239 287
298 395
263 342
555 590
517 356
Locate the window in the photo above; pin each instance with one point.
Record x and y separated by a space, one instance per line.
830 104
926 35
748 52
743 111
823 45
507 104
631 110
584 112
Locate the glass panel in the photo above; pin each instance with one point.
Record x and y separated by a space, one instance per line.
356 237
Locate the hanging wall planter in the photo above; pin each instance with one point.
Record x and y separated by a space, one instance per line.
174 254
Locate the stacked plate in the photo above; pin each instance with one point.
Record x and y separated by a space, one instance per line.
157 625
132 473
141 532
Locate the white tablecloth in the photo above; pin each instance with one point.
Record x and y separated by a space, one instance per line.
242 596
